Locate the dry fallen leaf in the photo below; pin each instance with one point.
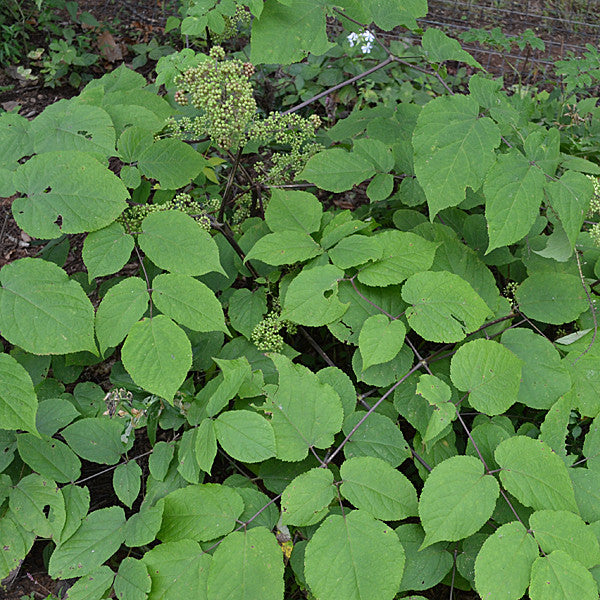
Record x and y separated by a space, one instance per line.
109 49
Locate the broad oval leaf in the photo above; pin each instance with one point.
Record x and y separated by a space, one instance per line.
178 570
534 474
373 485
284 248
344 559
43 311
489 372
454 149
380 340
200 512
49 457
552 297
189 302
99 537
563 530
120 309
305 500
18 401
173 241
96 439
311 298
106 250
245 435
132 582
457 499
503 565
247 565
173 162
293 210
21 542
444 306
67 192
127 482
158 355
559 577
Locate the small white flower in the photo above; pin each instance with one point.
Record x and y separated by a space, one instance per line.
366 49
367 36
352 39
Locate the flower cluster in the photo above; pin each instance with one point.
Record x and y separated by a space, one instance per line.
266 336
296 134
233 24
366 38
222 92
133 216
595 201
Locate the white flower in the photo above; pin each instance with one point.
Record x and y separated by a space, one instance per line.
368 37
366 49
352 39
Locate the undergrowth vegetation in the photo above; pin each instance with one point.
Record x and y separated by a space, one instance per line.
344 354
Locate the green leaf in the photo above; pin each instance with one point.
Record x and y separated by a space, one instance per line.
376 152
544 377
141 527
514 191
121 308
160 459
173 162
255 502
17 143
586 484
388 14
18 401
42 310
454 149
286 34
562 530
133 581
380 340
54 414
301 421
187 465
284 248
344 559
247 565
92 586
158 355
559 577
127 482
444 306
189 302
77 505
107 250
373 485
200 512
457 499
49 457
342 384
37 504
173 241
69 125
552 297
489 372
18 546
504 562
311 298
178 570
246 310
132 142
293 210
336 170
66 192
534 474
424 568
570 198
306 499
380 187
206 445
356 250
404 254
98 538
245 436
585 376
439 48
96 439
377 436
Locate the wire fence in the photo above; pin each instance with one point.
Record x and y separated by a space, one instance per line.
565 26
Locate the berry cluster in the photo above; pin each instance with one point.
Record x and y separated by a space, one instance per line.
296 134
222 92
595 201
133 216
240 19
266 336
